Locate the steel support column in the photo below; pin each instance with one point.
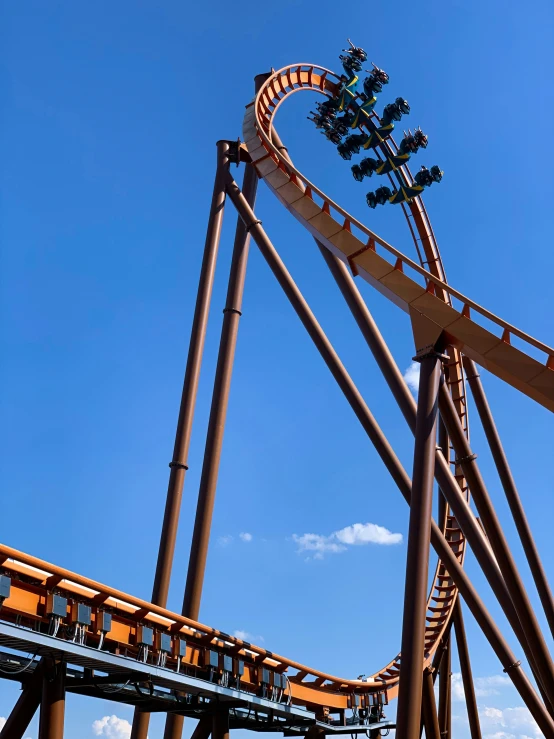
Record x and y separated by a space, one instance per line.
220 725
408 718
467 676
445 697
539 655
429 707
52 706
510 490
26 706
203 729
178 465
362 412
216 426
444 444
443 474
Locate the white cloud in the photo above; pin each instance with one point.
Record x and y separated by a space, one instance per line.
508 723
355 535
2 722
411 375
224 541
245 536
112 727
484 686
247 636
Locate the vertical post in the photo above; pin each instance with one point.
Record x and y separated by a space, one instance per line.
445 676
178 465
417 566
510 490
220 725
444 445
216 426
428 706
26 706
467 676
218 413
500 646
536 648
52 707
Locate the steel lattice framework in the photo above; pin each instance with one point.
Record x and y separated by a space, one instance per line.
91 639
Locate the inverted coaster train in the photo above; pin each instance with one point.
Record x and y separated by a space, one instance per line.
91 639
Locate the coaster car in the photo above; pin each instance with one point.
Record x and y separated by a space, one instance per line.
351 145
374 83
379 197
425 177
395 111
354 58
365 168
413 141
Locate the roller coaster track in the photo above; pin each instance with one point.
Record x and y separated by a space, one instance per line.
437 309
400 281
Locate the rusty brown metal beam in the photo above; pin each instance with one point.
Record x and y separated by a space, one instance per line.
52 706
475 604
179 461
417 558
218 413
443 474
445 691
203 728
429 707
26 706
444 445
220 724
538 651
510 490
216 426
467 675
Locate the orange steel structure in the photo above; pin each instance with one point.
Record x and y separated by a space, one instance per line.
195 670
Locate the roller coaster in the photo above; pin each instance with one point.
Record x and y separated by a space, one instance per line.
88 638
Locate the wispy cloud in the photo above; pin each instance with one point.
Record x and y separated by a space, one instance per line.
484 686
245 536
411 375
224 541
508 723
247 636
355 535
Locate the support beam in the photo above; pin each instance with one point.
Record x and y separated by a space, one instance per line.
218 412
539 654
52 706
510 490
26 706
444 444
362 412
428 706
216 426
417 559
445 687
179 461
220 724
443 474
467 676
203 728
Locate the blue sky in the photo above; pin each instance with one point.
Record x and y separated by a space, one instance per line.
110 113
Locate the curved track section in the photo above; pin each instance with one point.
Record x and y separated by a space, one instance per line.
470 328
